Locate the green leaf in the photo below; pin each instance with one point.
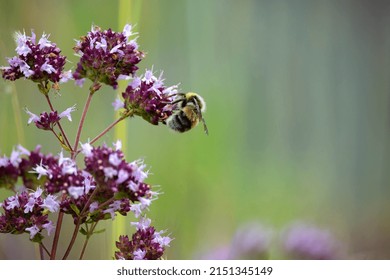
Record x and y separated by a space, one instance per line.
75 209
83 231
37 238
99 231
63 144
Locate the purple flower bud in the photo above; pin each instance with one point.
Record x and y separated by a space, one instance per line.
40 62
148 97
114 175
25 212
47 121
145 244
106 55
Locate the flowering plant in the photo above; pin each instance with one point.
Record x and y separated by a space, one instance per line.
45 185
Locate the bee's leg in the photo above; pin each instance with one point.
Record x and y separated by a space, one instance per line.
205 126
178 100
201 118
176 94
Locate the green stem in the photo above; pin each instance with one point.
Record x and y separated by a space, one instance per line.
89 234
55 134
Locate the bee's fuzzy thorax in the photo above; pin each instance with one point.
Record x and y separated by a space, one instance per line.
188 112
199 99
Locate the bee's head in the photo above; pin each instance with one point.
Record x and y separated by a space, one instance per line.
195 98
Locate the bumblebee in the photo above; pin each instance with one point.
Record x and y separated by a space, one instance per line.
188 112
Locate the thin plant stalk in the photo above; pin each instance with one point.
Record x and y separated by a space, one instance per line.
43 248
41 252
56 235
77 227
73 239
55 134
80 128
106 130
59 124
90 232
101 134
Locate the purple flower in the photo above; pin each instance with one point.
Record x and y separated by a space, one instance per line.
49 227
106 55
41 170
251 241
63 176
51 203
114 176
66 76
25 212
113 207
146 96
54 173
119 182
33 231
67 112
32 168
39 62
47 121
304 241
145 244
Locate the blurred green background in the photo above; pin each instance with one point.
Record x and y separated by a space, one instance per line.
298 99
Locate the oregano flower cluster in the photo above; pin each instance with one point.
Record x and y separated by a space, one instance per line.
37 61
106 56
103 184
